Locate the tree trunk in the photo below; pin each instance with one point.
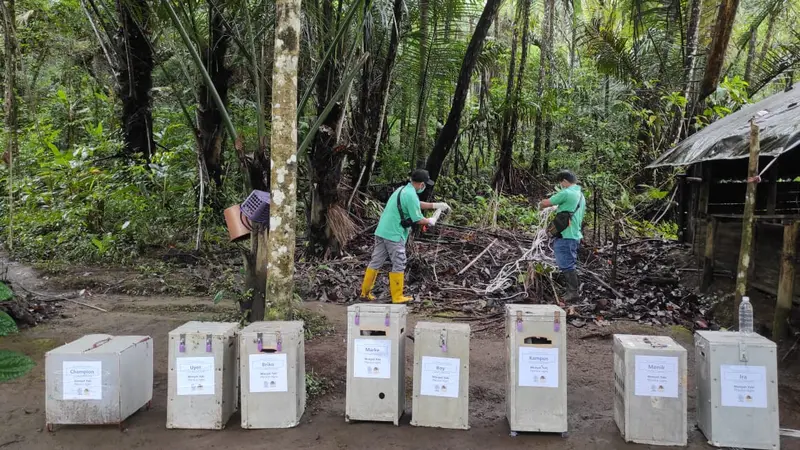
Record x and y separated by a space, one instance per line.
209 117
326 158
751 55
374 139
282 222
135 77
721 35
451 128
502 177
544 69
441 99
325 173
690 62
10 62
420 149
768 36
746 249
503 171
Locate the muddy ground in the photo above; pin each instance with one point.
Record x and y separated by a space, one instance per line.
590 375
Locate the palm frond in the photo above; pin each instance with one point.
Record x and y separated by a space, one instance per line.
610 51
769 7
779 60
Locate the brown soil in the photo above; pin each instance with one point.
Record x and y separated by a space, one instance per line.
589 366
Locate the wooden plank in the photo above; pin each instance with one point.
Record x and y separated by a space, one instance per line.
783 306
745 249
772 190
708 260
757 217
683 207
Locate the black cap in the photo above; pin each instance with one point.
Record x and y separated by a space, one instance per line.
566 175
421 176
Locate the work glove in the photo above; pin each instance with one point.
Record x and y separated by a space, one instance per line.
441 205
432 222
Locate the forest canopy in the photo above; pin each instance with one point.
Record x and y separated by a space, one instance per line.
131 124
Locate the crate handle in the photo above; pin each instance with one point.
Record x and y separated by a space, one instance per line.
372 332
537 340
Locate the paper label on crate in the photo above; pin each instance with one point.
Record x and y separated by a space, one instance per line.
538 367
656 376
743 386
372 358
82 380
269 373
440 376
195 375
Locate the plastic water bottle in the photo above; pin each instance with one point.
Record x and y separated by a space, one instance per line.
746 316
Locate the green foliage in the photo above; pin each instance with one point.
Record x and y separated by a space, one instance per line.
315 324
7 325
316 385
5 292
14 365
663 230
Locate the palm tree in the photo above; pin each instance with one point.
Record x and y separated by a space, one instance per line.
720 36
135 76
11 54
502 177
450 131
211 130
545 51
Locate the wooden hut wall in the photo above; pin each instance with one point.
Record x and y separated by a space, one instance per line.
726 194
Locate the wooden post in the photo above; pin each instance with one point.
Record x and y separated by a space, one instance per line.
702 201
786 281
772 190
615 253
708 259
682 208
745 248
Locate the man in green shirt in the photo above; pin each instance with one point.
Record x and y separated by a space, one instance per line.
569 199
402 211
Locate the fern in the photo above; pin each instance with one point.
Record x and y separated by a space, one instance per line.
13 365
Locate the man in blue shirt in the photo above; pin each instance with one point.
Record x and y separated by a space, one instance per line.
569 199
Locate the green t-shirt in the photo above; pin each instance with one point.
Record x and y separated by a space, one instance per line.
567 200
389 226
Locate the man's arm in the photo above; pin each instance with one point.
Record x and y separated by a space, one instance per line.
557 199
440 205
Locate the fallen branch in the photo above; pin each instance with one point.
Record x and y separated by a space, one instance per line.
86 305
600 281
474 260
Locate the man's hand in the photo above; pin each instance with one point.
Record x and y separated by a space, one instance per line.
546 203
441 205
432 222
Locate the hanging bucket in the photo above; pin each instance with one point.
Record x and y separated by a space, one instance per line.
238 225
256 206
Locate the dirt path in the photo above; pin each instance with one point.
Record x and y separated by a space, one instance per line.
590 391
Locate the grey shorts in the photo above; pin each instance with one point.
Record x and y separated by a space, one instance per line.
394 251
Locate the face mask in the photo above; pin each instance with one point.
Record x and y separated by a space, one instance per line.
420 190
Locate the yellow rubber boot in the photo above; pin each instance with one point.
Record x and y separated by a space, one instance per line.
396 281
368 284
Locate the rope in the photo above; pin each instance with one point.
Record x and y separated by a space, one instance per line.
539 251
